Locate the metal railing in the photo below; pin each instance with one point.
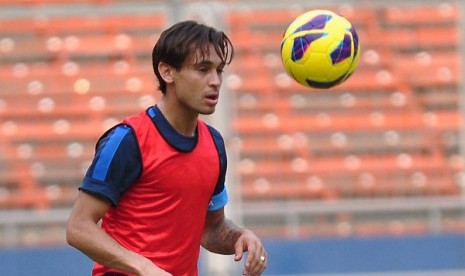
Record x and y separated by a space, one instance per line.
431 211
17 225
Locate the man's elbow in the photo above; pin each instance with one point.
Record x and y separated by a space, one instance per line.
72 233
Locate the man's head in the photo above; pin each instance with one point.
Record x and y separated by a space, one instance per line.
184 39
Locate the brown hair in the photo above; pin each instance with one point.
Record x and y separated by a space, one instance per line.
180 40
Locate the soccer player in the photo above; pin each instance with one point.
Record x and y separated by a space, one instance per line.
157 179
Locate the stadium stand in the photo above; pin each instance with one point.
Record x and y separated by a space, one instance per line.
390 131
63 81
405 93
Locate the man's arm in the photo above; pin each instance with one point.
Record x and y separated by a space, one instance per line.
222 236
84 234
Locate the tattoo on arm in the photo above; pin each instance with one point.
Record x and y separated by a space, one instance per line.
221 237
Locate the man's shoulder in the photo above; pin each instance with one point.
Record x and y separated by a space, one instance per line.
136 120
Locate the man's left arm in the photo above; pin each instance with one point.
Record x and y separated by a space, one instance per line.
222 236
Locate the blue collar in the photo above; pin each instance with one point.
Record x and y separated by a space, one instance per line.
171 136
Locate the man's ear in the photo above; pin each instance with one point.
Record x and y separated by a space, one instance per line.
166 72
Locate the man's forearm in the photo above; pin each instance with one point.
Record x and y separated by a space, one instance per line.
221 237
103 249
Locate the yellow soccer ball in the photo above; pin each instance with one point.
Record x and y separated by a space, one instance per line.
320 49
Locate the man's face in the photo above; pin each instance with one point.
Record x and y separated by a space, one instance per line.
199 80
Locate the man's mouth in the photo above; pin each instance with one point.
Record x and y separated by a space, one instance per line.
212 99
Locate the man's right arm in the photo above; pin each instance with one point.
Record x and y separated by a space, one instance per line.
115 167
84 234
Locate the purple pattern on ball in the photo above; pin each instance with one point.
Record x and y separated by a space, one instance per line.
343 50
316 23
302 43
355 39
325 85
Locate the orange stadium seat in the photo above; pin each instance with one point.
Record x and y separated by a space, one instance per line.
261 19
108 24
25 49
19 26
395 39
438 37
429 15
283 191
347 176
271 123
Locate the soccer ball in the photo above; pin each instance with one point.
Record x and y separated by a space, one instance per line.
320 49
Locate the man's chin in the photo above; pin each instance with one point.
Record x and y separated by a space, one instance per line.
207 111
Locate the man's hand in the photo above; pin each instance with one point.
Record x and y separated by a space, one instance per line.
257 258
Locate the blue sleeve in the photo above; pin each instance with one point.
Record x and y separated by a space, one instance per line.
220 195
116 165
218 200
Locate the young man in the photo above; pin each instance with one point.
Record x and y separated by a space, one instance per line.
157 179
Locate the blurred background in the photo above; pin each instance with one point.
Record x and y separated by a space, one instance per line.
363 179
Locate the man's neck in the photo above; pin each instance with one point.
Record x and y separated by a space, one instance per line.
184 123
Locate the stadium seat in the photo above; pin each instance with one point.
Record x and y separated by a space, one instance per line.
108 24
423 15
345 176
